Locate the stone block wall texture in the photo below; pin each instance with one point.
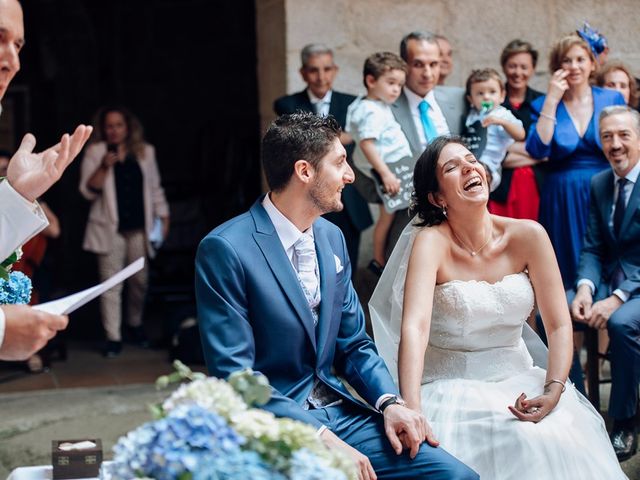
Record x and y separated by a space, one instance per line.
478 30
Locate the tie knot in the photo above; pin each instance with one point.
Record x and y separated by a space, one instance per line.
423 106
305 250
304 244
622 182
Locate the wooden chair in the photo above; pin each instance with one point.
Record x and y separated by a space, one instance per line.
593 366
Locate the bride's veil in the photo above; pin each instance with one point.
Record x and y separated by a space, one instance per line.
385 307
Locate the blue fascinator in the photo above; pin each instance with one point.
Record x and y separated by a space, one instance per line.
597 42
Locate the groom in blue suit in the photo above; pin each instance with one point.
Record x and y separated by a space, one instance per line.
608 287
274 293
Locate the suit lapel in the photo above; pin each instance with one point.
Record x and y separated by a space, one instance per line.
303 102
605 203
269 243
335 107
632 206
327 265
448 109
402 112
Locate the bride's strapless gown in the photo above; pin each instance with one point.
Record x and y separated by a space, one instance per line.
477 364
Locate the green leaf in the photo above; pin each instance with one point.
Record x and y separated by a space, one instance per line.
252 386
157 411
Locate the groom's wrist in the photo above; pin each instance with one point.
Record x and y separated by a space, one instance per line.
393 400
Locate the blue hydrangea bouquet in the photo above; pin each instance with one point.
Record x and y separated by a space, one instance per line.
15 287
210 429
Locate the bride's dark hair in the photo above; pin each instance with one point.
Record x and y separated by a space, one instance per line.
425 181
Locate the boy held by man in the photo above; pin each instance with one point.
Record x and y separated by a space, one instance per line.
379 138
485 93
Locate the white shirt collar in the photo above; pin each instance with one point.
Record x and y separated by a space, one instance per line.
414 99
632 176
287 232
313 99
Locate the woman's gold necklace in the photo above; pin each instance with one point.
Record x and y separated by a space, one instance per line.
471 250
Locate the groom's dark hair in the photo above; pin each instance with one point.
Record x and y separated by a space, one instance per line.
298 136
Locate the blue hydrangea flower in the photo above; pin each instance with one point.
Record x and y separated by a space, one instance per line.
305 465
238 466
174 445
16 290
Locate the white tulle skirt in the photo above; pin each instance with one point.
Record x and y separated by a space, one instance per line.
471 420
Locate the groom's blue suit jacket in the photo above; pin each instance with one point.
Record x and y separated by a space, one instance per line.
603 251
253 313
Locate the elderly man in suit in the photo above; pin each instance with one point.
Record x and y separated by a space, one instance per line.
274 293
24 330
319 70
608 286
424 110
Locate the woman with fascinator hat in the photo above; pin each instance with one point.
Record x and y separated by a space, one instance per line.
449 313
566 132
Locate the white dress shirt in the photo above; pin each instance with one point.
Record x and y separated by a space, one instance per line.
287 232
324 103
434 112
632 178
20 220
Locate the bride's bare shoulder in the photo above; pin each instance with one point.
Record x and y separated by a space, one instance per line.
435 233
431 242
519 228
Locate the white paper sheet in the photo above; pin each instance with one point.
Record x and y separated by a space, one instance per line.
66 305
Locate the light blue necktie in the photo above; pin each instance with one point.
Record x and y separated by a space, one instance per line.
429 128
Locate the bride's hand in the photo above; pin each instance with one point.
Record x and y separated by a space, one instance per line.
535 409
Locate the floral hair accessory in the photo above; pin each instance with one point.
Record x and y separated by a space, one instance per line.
597 41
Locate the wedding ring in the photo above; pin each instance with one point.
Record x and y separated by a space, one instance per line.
533 410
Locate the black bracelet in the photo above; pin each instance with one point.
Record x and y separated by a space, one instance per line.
395 400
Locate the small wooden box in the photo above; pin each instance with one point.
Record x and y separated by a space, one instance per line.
76 463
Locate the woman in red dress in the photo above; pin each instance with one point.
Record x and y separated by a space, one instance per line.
517 195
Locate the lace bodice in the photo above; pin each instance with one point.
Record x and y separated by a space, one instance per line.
476 329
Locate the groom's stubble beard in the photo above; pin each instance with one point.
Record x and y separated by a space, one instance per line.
323 199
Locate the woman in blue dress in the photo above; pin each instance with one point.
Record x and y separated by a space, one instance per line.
566 133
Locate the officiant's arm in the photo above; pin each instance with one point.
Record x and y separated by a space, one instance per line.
25 330
533 244
416 317
227 336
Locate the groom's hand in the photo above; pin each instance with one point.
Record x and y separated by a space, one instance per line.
407 428
363 465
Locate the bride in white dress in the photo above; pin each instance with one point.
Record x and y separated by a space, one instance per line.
448 313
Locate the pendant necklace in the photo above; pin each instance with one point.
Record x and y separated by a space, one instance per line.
471 251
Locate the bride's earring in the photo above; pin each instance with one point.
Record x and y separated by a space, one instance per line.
444 211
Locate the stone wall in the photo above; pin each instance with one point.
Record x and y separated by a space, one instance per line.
478 30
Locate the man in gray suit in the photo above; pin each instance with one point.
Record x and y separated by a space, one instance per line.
424 110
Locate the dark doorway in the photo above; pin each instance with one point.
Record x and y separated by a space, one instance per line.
187 69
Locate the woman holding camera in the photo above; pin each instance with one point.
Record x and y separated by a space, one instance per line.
120 176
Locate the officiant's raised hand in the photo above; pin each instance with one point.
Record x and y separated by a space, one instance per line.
406 428
31 174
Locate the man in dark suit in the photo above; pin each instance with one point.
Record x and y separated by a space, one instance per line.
319 71
424 110
608 286
274 293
